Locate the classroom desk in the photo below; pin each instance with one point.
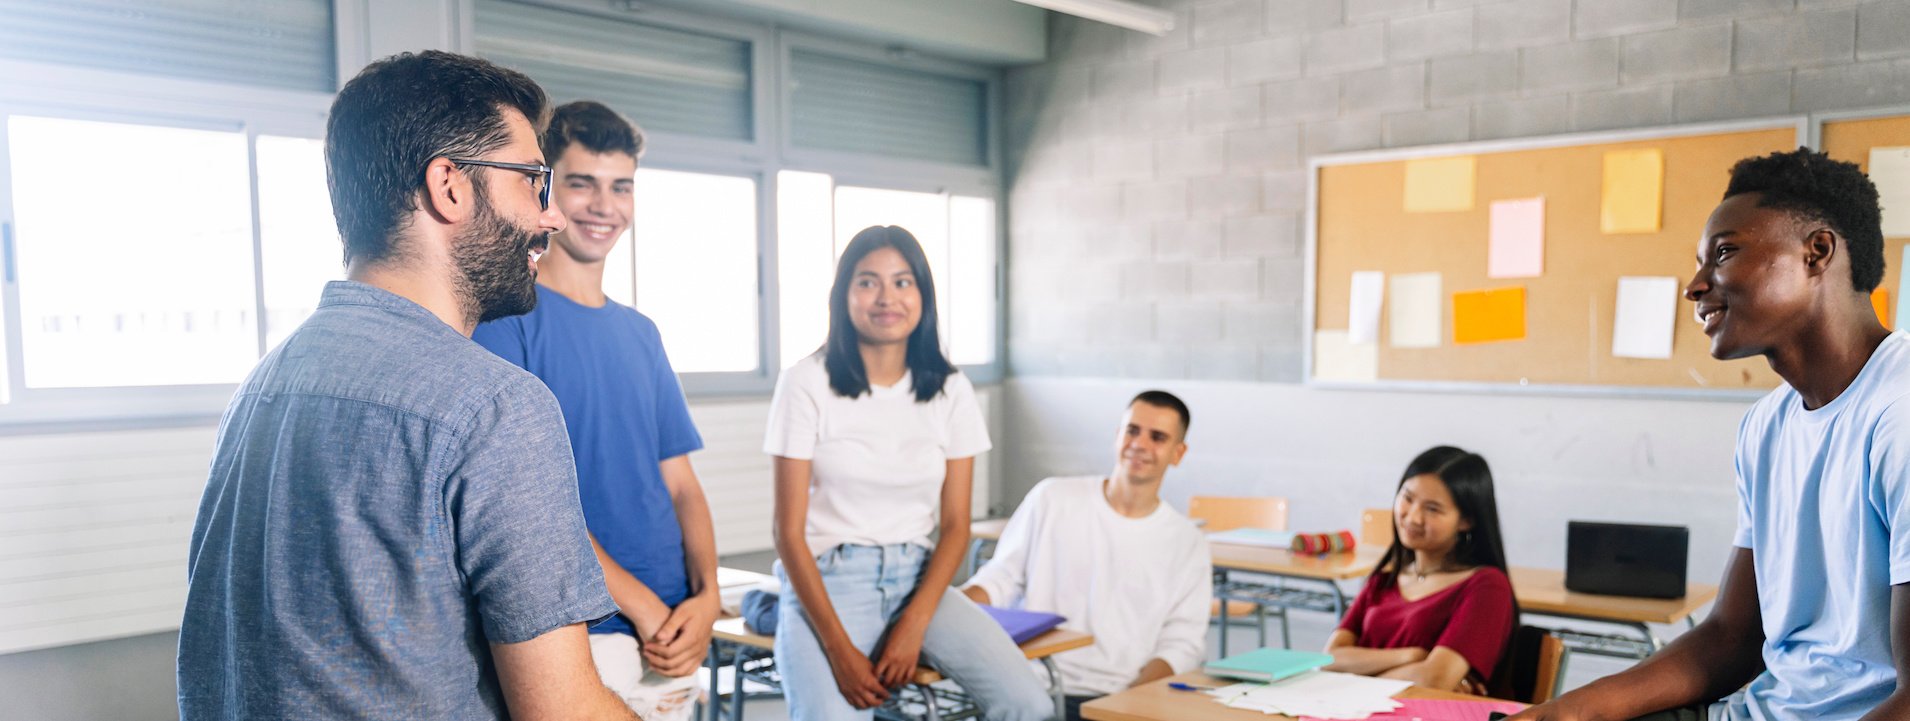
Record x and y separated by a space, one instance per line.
1325 570
1541 591
1156 702
981 534
749 653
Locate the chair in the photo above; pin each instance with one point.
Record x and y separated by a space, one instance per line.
1376 528
1223 513
1533 668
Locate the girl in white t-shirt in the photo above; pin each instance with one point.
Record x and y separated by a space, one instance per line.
875 438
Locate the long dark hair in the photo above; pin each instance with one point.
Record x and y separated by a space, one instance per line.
842 354
1469 480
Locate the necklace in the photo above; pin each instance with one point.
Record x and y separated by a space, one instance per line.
1419 574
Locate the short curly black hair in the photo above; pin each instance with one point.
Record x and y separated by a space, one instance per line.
594 126
1810 185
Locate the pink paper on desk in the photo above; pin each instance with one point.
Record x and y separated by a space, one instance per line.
1435 709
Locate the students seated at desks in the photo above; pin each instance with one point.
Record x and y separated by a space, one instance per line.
875 438
1108 555
1438 610
1814 610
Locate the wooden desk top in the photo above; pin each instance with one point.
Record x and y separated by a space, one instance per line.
987 530
1542 590
1042 646
1329 567
1157 702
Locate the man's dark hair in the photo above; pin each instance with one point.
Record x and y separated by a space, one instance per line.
593 125
1813 187
401 112
1164 399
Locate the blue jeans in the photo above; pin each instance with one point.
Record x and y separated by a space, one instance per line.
869 585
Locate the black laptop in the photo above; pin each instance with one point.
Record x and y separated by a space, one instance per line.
1626 559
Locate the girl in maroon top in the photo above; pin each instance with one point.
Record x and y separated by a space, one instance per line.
1438 610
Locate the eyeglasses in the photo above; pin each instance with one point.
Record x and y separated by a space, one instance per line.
542 172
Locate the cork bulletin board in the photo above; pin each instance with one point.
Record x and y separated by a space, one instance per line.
1850 138
1360 223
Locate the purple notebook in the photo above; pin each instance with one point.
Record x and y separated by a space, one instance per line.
1023 626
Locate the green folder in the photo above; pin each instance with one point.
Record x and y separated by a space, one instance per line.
1267 664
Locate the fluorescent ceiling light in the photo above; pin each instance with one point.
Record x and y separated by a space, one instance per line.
1125 13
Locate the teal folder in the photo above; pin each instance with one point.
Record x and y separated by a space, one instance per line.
1267 664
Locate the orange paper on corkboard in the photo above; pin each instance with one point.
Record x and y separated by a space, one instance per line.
1485 316
1880 300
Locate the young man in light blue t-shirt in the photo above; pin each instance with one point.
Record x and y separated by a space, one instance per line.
629 426
1814 610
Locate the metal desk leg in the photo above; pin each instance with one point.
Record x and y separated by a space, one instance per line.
928 699
737 694
712 707
1054 686
1220 579
1650 638
973 560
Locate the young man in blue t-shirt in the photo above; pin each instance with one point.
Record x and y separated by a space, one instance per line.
1813 618
629 426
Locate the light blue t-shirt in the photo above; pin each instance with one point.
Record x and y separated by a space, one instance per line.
1822 507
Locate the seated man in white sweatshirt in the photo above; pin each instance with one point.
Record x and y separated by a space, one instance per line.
1108 555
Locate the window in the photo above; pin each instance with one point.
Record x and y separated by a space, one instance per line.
957 234
694 239
134 244
298 237
856 106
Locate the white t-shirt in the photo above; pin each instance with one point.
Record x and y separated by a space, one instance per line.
1141 586
877 461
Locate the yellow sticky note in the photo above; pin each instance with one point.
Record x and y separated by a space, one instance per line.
1439 185
1880 300
1484 316
1634 191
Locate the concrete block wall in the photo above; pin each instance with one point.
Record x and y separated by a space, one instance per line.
1157 185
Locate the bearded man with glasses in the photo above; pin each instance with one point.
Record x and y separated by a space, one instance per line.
391 528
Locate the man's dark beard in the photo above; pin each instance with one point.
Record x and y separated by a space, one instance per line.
494 277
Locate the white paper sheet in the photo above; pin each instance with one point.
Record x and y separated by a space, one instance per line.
1890 171
1415 310
1362 325
1335 359
1321 694
1647 309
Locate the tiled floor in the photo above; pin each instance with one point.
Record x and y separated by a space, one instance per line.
1310 630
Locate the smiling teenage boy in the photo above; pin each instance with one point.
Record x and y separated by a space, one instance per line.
628 423
1813 613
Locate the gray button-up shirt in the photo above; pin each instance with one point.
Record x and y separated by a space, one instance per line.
386 500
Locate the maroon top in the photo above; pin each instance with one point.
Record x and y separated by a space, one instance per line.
1473 617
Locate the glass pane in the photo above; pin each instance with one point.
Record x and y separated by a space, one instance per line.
620 272
298 235
695 238
971 280
156 292
805 250
924 215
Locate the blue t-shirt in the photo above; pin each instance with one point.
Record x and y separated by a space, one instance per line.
386 500
1822 506
626 413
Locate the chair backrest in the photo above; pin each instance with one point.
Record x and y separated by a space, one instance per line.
1376 528
1223 513
1533 667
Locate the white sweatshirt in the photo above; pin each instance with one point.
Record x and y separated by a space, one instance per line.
1141 586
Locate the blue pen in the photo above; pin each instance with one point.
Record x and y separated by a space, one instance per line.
1178 686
